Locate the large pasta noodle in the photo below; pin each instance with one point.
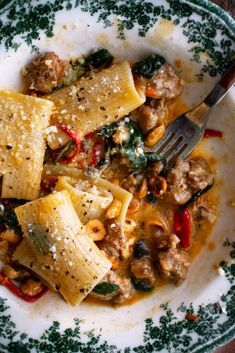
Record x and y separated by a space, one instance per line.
63 254
102 184
23 121
89 201
25 256
95 101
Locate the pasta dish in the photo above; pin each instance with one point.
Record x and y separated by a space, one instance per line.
87 209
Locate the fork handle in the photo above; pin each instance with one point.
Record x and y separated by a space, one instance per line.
222 87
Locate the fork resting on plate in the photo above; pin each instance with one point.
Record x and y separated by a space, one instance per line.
184 133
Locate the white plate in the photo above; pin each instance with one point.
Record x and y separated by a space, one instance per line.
201 36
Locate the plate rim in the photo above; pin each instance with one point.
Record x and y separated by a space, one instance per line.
229 22
226 18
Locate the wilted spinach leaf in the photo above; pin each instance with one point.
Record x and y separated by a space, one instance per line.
9 219
105 288
99 59
141 285
148 67
140 249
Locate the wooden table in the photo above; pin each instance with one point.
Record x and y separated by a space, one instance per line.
228 5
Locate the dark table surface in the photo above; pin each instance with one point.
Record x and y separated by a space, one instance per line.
228 5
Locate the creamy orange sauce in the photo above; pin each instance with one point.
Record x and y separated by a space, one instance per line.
163 210
176 108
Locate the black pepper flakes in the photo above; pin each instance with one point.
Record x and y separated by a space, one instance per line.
9 147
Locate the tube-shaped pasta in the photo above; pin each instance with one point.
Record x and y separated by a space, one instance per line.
22 143
103 184
68 259
119 194
25 256
95 101
89 201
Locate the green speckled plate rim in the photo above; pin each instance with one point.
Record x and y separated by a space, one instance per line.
218 11
228 334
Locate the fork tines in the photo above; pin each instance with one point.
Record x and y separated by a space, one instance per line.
179 140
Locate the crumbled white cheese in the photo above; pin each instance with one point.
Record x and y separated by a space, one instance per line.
53 249
51 129
121 135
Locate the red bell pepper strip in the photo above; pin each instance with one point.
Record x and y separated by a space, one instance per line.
182 226
76 138
212 133
18 292
90 135
150 92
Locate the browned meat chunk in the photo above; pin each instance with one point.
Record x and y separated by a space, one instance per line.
165 83
115 240
150 114
199 175
173 264
171 261
187 177
163 241
143 269
125 291
45 72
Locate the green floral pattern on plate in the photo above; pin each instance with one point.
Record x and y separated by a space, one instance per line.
25 20
171 335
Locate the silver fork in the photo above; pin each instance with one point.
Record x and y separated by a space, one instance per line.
184 133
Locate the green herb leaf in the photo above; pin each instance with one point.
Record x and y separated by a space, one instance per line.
149 66
9 219
107 131
141 285
105 288
63 151
134 148
100 58
75 71
140 249
39 239
153 157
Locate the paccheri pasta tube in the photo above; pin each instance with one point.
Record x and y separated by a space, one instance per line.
71 176
94 101
89 201
22 143
58 247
